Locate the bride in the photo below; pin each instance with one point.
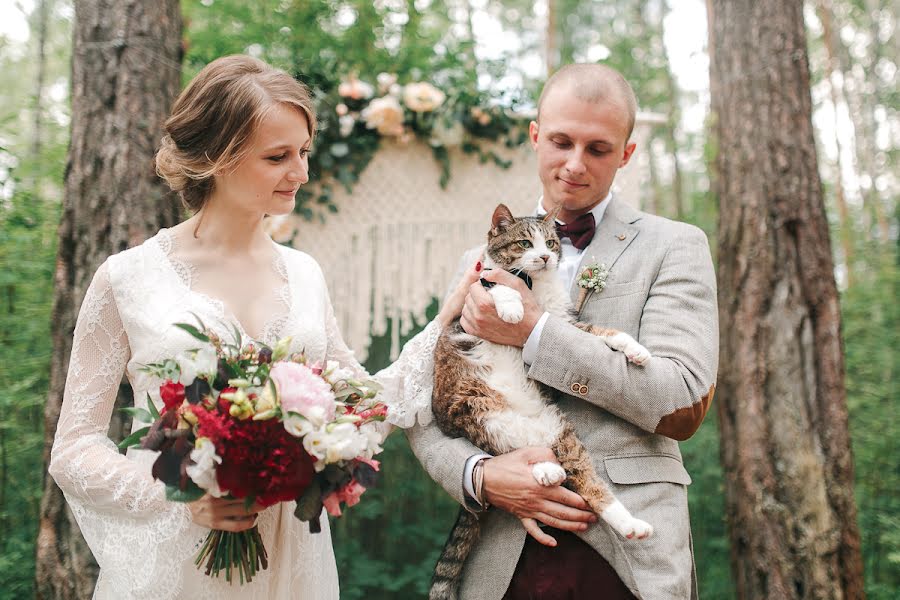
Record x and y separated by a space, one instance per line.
236 150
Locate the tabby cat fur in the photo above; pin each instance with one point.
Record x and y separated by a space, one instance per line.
482 392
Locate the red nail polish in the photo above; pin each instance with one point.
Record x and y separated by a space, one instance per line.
478 266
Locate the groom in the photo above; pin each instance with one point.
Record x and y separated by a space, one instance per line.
660 289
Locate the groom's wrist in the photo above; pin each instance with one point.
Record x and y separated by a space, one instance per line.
474 494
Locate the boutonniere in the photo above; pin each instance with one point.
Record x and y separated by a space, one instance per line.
591 279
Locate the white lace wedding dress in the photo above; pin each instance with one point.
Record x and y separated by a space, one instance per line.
144 544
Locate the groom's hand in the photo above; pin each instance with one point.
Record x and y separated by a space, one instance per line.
479 315
509 485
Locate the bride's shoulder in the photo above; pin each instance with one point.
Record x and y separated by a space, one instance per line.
297 260
134 259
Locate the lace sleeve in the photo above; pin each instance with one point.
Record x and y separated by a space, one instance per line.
118 505
407 383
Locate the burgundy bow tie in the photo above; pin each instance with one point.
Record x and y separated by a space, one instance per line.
580 231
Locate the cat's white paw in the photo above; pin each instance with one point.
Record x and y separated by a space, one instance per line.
626 525
508 303
637 353
548 473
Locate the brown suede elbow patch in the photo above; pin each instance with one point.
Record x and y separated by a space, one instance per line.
681 424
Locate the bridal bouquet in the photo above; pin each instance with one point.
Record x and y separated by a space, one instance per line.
259 424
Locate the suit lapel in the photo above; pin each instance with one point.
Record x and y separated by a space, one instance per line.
614 234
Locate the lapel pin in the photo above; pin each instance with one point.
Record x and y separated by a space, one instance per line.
621 237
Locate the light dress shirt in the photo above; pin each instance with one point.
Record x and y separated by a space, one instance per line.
566 271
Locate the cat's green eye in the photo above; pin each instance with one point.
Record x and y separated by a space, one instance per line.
551 244
525 244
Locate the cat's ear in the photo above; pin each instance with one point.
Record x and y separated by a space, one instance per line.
550 217
502 218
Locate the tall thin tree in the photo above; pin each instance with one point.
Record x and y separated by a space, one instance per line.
783 414
125 75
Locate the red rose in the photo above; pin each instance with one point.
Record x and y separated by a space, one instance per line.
172 394
261 459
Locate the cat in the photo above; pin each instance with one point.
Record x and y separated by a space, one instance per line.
482 392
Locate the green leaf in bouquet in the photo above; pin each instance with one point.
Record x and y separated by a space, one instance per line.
309 505
365 475
152 408
345 393
193 331
238 338
335 478
248 502
199 321
193 492
141 415
134 439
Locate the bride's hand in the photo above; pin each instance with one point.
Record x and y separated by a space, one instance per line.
225 514
454 304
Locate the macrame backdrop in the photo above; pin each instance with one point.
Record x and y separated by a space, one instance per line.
396 242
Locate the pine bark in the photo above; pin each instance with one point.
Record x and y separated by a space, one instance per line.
783 414
125 75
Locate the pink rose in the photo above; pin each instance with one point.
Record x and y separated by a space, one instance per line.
302 392
349 495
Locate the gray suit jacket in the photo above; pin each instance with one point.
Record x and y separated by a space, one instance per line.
661 289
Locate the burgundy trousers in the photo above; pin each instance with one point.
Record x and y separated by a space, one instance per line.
570 571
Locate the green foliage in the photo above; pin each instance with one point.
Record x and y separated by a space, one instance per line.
871 323
30 182
27 251
706 501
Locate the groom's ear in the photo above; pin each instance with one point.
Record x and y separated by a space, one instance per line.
501 220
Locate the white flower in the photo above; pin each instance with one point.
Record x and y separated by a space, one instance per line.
422 97
346 123
386 80
335 374
443 134
203 472
385 115
344 442
314 443
341 109
195 363
373 439
296 425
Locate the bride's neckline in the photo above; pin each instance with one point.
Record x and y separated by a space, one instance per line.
186 275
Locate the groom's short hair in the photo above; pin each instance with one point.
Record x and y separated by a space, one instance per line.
593 82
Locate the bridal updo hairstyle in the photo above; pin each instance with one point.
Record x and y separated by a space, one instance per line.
214 119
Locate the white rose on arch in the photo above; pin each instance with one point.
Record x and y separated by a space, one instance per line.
447 134
422 97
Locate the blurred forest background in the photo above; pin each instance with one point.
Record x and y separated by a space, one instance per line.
387 545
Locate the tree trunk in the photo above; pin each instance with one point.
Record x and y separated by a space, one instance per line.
125 76
551 48
783 413
41 11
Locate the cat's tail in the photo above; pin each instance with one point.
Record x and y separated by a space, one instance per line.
448 570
